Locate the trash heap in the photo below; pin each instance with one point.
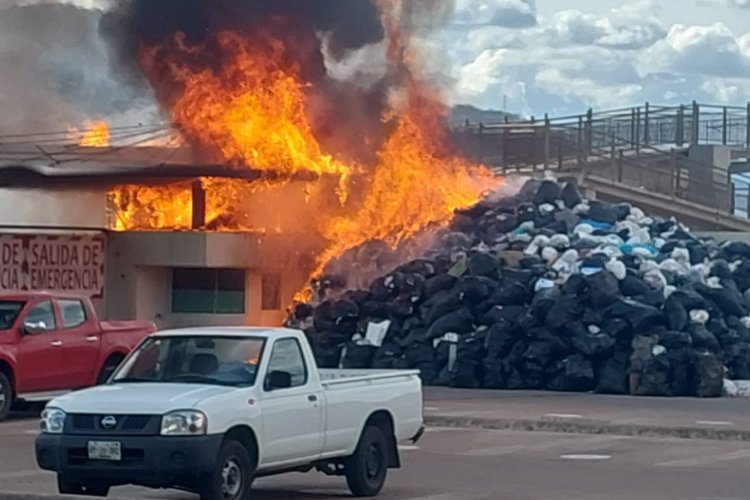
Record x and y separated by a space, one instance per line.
546 290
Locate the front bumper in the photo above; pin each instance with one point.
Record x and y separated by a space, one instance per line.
152 461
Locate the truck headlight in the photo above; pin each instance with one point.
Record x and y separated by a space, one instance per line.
184 423
53 421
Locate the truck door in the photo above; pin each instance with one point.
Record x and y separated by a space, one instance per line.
293 417
81 343
40 356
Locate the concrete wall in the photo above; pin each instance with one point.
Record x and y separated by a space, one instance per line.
139 280
58 208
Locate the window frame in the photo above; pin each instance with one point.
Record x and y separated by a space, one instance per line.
60 303
305 368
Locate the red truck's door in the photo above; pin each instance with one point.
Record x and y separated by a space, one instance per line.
40 355
80 335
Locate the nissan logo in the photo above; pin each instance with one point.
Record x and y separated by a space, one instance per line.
109 422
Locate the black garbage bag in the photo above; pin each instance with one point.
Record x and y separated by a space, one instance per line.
619 329
511 293
386 356
698 253
401 307
322 319
328 357
613 375
499 339
703 339
476 288
601 211
514 379
596 346
594 316
576 285
543 301
358 356
548 192
502 313
690 299
675 339
450 302
439 283
653 380
728 300
677 317
681 372
741 275
574 374
709 375
641 317
735 249
604 289
737 325
419 353
422 267
633 286
534 375
494 373
467 372
526 212
720 269
483 264
737 360
413 286
567 308
461 321
570 195
539 353
375 310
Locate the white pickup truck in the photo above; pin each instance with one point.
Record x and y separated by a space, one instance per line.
208 410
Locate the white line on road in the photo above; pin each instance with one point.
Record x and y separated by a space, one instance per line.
708 460
585 457
431 408
713 422
408 448
563 415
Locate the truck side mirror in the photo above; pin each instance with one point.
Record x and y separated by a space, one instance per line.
278 380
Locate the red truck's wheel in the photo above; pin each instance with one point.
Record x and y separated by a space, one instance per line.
367 468
6 396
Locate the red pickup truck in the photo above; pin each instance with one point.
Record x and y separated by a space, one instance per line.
53 343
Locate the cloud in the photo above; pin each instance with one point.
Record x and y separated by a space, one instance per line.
503 13
737 4
707 50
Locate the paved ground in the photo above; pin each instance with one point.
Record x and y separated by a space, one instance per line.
484 464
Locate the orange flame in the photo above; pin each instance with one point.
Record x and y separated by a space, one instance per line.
251 109
96 135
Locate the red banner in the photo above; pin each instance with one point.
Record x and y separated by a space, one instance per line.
58 263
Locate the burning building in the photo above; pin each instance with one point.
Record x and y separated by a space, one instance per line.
282 152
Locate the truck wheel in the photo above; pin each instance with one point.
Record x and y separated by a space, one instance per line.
6 396
65 487
366 470
233 476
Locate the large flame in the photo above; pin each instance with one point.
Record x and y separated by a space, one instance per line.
251 108
94 135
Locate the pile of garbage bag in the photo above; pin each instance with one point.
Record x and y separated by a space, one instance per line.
547 290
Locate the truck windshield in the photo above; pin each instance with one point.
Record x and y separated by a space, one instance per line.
9 311
230 361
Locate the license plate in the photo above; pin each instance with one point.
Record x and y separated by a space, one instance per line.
105 450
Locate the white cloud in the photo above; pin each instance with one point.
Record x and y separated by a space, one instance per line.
738 4
505 13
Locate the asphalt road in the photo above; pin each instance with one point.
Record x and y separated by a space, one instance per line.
483 464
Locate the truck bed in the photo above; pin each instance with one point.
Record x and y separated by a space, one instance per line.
336 377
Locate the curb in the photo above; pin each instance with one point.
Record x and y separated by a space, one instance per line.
587 427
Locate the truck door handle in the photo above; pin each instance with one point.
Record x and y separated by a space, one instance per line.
56 343
91 339
312 398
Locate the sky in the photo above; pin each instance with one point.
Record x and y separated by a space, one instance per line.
528 57
564 56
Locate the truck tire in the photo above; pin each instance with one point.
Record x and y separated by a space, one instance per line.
6 396
232 477
367 469
65 487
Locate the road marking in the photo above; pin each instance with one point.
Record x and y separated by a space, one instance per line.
576 442
563 415
713 422
408 448
708 460
585 457
431 408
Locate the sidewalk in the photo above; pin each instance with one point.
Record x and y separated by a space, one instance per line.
719 419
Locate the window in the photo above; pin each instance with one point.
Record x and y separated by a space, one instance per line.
73 313
41 317
271 292
287 357
208 291
9 311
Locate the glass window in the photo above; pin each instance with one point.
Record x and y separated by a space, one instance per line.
287 357
73 313
41 317
231 361
208 291
9 311
271 292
